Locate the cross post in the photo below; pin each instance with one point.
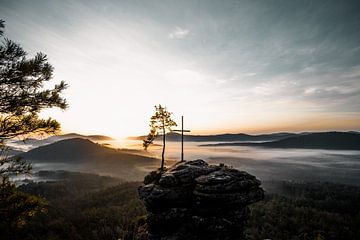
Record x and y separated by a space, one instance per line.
182 137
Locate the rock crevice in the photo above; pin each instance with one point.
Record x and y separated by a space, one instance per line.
195 200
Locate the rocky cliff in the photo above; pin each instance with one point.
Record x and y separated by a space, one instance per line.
194 200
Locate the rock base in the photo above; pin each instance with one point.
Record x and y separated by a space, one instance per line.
195 200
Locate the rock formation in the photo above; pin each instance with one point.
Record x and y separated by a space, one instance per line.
195 200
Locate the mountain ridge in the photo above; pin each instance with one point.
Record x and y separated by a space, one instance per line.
322 140
234 137
84 155
222 137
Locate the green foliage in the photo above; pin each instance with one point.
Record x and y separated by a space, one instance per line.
10 165
160 122
296 211
22 97
102 209
307 211
16 208
2 25
65 184
150 138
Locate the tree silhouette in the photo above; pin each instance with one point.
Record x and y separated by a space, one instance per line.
160 122
22 97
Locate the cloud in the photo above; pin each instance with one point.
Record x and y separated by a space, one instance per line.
179 33
250 74
240 58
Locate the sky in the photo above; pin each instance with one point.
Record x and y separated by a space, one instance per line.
227 66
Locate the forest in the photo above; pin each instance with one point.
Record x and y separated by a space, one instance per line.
88 206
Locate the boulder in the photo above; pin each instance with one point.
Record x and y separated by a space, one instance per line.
195 200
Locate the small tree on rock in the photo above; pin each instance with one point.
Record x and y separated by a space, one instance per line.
160 122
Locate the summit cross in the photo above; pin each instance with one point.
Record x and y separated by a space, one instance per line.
182 137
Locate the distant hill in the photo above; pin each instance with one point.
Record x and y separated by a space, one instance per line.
227 137
31 143
91 157
76 135
323 140
69 150
52 139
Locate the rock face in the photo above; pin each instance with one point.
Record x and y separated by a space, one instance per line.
194 200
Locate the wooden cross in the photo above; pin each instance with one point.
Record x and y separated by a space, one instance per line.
182 137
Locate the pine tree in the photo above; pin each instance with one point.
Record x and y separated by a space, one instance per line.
160 122
22 97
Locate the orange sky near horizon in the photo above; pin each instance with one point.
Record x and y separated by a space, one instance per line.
325 123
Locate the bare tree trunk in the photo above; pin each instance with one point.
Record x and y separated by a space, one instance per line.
163 151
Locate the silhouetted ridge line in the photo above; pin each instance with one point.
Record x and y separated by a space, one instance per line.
227 137
324 140
74 148
86 156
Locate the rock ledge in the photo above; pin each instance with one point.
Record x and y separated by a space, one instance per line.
195 200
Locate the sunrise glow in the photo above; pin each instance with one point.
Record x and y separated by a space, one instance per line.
220 68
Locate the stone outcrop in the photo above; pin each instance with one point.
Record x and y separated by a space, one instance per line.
195 200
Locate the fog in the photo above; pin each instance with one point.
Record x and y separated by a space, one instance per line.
275 164
267 164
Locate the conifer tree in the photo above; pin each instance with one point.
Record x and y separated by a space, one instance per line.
22 97
160 122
